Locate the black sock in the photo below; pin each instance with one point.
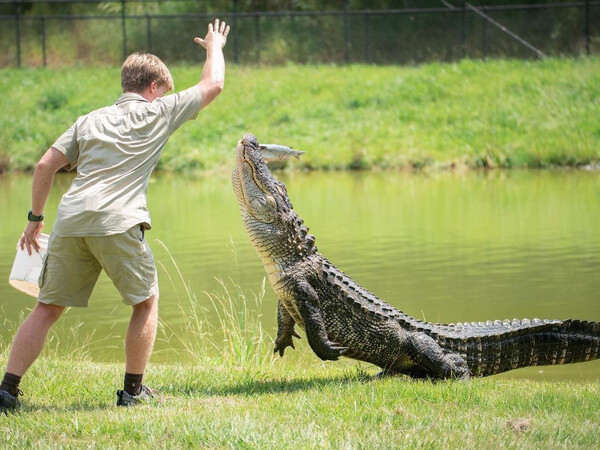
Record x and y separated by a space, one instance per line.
133 383
10 383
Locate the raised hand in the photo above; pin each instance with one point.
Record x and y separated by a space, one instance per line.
216 36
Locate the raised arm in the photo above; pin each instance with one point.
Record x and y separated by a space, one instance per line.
213 73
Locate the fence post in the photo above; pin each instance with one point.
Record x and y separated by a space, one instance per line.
235 31
367 37
44 40
149 33
18 31
124 29
463 29
347 32
257 37
587 27
484 38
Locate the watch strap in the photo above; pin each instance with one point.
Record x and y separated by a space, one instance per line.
33 218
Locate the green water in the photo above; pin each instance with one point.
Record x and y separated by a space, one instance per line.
445 247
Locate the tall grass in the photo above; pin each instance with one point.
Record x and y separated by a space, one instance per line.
468 114
235 339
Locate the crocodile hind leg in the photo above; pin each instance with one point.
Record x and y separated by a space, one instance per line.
431 361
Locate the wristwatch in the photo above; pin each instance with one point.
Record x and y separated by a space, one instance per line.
33 218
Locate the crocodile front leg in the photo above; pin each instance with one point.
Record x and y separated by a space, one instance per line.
285 330
307 302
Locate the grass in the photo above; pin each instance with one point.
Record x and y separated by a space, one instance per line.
475 114
241 396
70 404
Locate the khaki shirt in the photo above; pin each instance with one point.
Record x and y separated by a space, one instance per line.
115 149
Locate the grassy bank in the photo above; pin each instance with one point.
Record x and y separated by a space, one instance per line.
473 114
71 404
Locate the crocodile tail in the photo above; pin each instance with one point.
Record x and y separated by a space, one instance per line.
504 346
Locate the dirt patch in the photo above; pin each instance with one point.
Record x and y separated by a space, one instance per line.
518 426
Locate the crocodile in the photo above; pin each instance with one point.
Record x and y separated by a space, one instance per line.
340 317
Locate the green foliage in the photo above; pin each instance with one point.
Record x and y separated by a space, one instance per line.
468 114
53 101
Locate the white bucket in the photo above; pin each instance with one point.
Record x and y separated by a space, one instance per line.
26 268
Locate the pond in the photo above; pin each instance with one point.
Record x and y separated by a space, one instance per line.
445 247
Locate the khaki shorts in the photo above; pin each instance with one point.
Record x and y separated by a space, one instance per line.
72 265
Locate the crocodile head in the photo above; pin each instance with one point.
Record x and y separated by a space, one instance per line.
274 228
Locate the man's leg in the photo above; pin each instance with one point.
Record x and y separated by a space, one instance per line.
128 261
27 345
140 342
30 337
141 334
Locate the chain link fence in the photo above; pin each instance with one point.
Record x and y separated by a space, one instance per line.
104 33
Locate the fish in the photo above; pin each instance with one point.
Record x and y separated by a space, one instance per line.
272 152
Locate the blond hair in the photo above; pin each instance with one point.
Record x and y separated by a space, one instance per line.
141 69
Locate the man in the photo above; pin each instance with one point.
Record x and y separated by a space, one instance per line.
101 219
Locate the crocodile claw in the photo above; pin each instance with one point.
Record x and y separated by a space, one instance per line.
332 351
282 342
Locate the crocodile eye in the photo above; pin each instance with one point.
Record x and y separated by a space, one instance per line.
281 190
263 208
272 204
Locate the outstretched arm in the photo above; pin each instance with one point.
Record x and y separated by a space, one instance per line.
43 175
213 74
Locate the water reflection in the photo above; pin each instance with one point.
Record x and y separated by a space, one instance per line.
443 247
